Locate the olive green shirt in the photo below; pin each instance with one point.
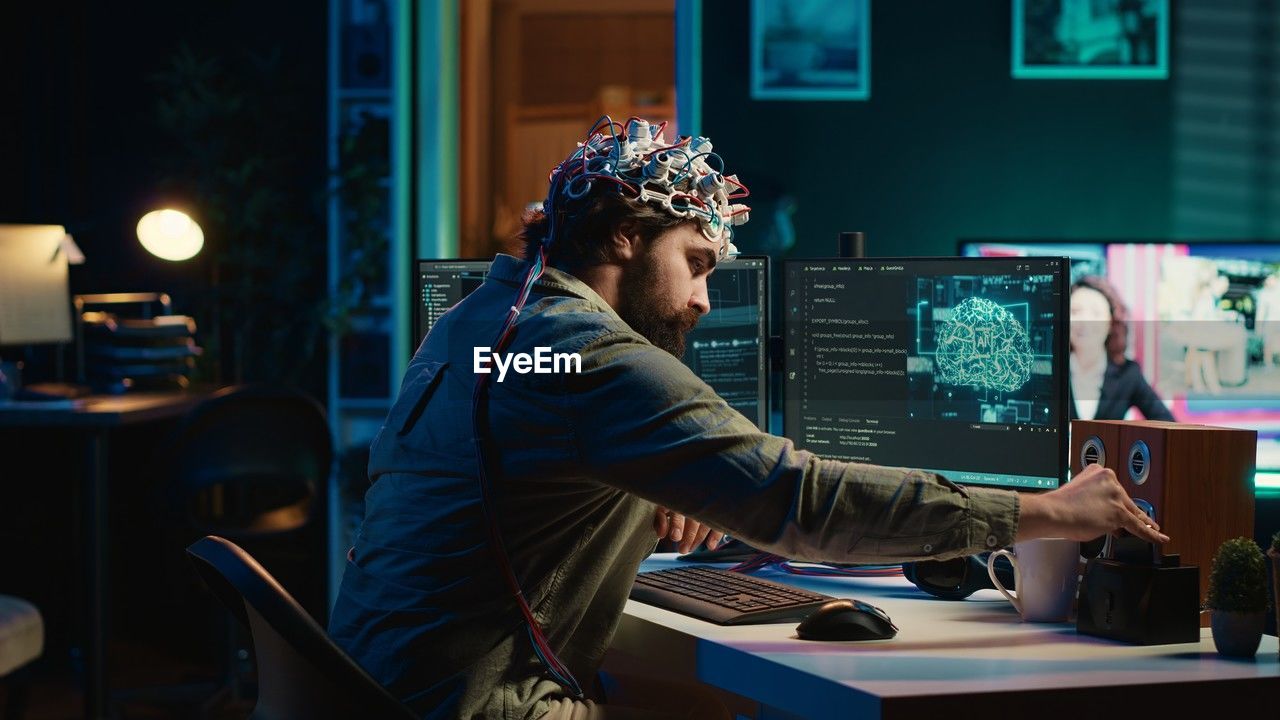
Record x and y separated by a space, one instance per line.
578 462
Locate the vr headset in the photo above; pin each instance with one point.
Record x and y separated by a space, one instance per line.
958 578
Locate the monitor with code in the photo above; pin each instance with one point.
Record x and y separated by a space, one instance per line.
439 285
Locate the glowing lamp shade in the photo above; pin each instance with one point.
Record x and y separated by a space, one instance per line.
170 234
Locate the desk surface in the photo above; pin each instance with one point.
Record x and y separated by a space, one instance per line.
99 410
944 653
94 418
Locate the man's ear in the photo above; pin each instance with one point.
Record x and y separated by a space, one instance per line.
625 241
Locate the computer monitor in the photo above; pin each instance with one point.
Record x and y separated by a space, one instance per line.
35 299
945 364
440 284
1227 378
729 349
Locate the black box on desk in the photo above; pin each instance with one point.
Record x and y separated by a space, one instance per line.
1141 603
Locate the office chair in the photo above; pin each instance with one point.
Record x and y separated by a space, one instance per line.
21 642
250 463
301 672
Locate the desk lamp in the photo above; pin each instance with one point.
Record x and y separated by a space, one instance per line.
170 234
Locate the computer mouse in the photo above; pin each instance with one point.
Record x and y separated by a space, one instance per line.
847 620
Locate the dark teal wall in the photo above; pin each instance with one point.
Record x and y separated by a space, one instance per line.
948 146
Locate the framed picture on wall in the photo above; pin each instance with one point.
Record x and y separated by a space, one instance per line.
1091 39
810 49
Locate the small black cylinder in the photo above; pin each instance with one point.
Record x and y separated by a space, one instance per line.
853 244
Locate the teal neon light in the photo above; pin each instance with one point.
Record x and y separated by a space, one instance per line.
436 116
1266 483
689 67
432 116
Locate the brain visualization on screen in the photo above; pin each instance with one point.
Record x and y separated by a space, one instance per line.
983 349
948 365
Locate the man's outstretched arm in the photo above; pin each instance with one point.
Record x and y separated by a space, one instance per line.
646 424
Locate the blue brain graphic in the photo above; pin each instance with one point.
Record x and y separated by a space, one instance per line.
983 345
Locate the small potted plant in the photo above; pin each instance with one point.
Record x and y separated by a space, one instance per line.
1238 597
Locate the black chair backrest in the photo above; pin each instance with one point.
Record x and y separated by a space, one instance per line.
301 672
251 460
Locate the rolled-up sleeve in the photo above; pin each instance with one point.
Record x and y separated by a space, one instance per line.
644 423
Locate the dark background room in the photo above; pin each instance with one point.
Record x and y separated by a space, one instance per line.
325 148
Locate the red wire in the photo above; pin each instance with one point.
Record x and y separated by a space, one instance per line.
694 199
609 124
495 537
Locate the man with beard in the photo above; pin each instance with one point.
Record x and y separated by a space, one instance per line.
506 520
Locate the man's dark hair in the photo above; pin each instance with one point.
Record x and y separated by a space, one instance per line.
582 239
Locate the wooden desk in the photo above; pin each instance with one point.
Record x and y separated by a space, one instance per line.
972 658
93 418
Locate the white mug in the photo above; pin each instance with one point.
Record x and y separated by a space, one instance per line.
1046 576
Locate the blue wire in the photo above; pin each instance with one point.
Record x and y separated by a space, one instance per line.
684 169
568 682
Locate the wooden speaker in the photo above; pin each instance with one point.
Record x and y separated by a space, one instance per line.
1198 478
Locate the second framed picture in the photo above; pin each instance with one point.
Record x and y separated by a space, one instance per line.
1091 39
810 50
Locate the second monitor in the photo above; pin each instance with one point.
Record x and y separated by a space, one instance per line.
728 349
951 365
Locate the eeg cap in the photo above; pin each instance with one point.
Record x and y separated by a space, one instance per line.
638 163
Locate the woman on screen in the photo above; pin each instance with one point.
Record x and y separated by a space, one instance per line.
1104 383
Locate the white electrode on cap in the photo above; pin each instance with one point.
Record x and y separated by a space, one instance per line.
638 133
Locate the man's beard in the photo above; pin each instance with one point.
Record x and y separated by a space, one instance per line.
644 304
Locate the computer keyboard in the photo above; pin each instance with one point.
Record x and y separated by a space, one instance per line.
724 597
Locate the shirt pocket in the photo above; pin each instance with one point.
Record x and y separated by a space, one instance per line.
414 398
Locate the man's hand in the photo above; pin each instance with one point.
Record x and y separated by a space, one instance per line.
688 532
1092 504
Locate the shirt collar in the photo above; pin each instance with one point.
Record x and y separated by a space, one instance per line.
512 270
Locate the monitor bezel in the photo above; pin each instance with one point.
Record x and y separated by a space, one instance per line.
766 308
1060 346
